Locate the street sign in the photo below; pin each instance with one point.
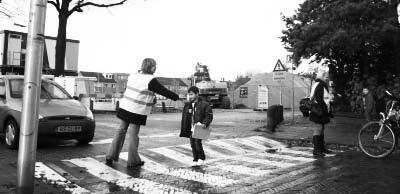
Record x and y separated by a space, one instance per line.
279 75
279 72
279 66
262 97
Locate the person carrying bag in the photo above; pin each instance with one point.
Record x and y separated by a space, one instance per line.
197 116
319 113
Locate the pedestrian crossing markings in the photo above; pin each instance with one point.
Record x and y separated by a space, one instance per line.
247 159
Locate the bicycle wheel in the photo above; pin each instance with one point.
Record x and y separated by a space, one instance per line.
376 147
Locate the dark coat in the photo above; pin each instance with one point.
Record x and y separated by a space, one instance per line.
319 98
203 114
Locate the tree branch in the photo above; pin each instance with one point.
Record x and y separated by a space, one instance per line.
56 4
81 4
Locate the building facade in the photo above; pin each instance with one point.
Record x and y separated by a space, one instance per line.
13 53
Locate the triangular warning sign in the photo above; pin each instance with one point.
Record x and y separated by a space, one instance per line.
279 66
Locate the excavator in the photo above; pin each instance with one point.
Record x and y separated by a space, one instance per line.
215 92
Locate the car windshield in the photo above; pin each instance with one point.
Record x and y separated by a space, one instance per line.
49 90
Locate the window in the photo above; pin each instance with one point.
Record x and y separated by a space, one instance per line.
109 76
48 91
97 89
2 87
105 85
113 85
243 92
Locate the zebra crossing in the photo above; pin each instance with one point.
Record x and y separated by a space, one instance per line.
230 163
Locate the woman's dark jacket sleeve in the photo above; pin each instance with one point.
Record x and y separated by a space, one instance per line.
156 87
319 95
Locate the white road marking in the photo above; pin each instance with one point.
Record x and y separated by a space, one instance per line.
286 157
227 146
109 141
280 164
102 141
43 171
251 144
108 174
290 151
174 155
271 142
209 152
183 173
243 170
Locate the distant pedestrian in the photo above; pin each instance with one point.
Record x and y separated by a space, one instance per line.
195 111
368 104
134 107
321 95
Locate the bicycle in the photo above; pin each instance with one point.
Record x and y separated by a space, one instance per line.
378 139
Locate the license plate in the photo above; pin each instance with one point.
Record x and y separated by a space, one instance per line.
68 129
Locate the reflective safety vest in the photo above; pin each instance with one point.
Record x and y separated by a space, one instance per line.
137 97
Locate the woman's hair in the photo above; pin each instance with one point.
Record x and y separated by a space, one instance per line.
147 65
322 72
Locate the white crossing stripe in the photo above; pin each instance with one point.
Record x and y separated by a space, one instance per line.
271 142
228 146
174 155
251 144
290 151
109 174
103 141
109 140
208 152
280 164
243 170
286 157
43 171
182 173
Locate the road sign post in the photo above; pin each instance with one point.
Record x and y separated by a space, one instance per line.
279 74
31 97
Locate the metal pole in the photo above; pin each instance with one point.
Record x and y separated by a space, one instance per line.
30 106
280 95
292 94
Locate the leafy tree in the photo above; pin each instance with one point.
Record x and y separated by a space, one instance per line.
354 36
65 9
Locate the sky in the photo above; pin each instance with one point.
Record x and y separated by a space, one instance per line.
232 37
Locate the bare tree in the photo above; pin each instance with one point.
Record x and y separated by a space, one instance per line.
64 12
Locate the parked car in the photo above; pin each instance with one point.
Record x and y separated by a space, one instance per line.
302 107
60 115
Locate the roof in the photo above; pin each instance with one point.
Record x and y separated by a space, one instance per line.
166 81
100 77
46 37
267 79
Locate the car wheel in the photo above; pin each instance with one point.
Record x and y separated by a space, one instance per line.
86 139
11 134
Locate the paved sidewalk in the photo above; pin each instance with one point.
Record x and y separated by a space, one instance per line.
342 129
8 177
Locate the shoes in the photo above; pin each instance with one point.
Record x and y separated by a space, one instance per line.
200 162
195 163
109 161
141 163
318 146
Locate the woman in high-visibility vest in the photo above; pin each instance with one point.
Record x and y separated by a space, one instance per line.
133 109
